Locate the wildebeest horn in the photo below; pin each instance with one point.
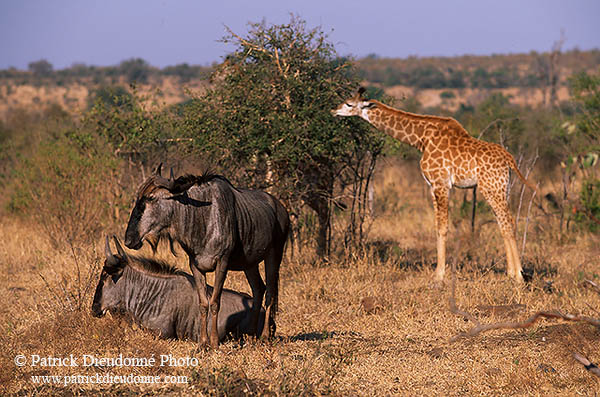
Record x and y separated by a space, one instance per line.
164 183
158 169
119 248
171 178
110 258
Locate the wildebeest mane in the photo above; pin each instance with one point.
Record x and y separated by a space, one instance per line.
189 180
154 266
178 185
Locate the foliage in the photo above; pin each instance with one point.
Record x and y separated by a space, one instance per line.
111 96
586 93
64 183
135 70
123 119
268 117
495 119
41 68
589 216
585 89
497 71
186 72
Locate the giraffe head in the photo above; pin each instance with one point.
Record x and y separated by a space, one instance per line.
355 106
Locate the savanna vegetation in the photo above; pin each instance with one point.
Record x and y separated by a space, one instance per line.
358 312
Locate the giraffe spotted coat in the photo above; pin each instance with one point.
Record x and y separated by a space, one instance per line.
451 158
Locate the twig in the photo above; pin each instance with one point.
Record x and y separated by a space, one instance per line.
528 170
495 122
527 221
56 296
592 284
590 366
587 212
452 300
473 209
79 297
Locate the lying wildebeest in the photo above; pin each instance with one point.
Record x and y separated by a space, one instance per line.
221 228
164 299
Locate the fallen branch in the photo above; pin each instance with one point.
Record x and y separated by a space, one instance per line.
479 328
590 366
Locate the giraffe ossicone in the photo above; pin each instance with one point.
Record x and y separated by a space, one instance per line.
451 158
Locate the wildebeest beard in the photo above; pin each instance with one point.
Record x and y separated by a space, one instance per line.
154 240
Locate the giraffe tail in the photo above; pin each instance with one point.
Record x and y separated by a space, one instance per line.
513 164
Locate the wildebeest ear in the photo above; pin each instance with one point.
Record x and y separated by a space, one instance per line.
182 184
176 186
114 264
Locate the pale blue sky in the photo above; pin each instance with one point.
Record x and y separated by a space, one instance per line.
169 32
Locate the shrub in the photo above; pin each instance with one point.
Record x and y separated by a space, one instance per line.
65 187
589 214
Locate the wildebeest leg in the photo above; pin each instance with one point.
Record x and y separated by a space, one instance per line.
258 292
215 304
272 263
200 279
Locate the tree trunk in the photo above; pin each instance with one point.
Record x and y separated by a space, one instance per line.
320 205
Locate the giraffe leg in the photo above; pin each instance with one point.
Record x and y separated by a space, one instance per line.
440 208
497 201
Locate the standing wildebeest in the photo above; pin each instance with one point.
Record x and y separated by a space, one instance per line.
164 299
220 228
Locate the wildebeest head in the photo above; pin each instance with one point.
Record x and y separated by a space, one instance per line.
153 208
107 295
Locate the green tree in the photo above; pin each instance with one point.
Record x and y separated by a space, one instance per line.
121 117
135 70
481 78
41 68
268 115
585 89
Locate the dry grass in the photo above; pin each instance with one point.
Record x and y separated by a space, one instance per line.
374 326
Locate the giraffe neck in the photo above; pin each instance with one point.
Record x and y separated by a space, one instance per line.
410 128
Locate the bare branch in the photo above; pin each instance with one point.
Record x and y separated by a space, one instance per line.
452 300
527 220
479 328
592 284
490 125
524 324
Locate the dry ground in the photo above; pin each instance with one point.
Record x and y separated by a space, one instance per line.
375 325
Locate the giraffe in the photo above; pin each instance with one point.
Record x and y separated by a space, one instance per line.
451 158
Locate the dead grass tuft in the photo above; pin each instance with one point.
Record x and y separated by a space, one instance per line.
373 325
